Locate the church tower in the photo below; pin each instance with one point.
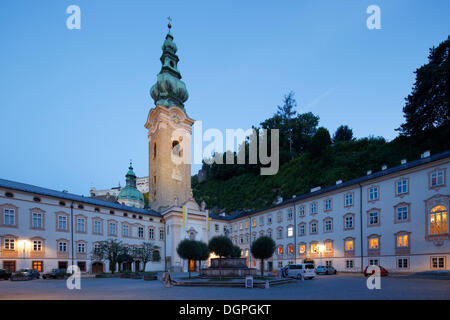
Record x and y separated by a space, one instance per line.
169 135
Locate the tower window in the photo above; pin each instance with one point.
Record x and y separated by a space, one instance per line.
176 148
172 64
154 150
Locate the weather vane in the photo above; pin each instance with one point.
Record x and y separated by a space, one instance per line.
170 20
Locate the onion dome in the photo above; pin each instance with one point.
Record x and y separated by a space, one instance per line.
169 90
130 195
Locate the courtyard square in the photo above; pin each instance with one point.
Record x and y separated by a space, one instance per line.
341 286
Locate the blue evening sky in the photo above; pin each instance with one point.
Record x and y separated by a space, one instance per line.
74 102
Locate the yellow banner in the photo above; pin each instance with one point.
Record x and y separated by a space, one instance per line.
207 218
184 216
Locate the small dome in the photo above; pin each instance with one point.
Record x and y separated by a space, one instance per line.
129 193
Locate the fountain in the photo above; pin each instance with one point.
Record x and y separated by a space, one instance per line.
228 268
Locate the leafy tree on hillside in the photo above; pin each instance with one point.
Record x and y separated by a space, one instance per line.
428 105
343 133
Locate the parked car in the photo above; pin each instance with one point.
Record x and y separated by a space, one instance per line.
325 270
5 274
25 274
298 270
56 274
383 272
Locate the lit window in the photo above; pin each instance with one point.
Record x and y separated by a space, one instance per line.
348 245
314 248
246 224
253 222
240 226
402 186
36 220
329 246
302 248
402 240
373 193
246 252
290 231
373 243
38 266
290 249
280 250
438 220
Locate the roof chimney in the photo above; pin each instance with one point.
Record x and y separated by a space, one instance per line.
315 189
384 167
338 182
369 172
403 161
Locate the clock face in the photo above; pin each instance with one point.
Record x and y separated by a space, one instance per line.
176 119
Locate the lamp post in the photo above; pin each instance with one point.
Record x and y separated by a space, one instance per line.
321 249
23 246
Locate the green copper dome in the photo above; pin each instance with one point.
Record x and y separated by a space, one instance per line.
169 90
130 192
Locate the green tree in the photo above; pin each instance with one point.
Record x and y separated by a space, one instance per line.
343 133
203 252
263 248
109 250
320 141
221 246
189 250
236 252
428 105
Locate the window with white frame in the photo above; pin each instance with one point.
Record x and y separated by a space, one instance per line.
97 227
403 263
349 264
301 212
161 234
279 216
290 231
328 246
280 233
313 208
328 204
402 240
437 178
254 222
246 224
373 193
290 213
36 220
141 232
216 227
438 262
269 219
374 243
62 222
373 262
402 186
328 225
349 222
402 213
241 226
37 245
241 239
81 225
374 218
112 228
349 245
62 246
125 230
9 243
9 217
269 233
314 227
301 229
151 233
349 199
261 220
81 247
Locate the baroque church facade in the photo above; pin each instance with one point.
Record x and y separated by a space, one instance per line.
396 217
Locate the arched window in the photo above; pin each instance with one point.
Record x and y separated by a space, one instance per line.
176 148
438 220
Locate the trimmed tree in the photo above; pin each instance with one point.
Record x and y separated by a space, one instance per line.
236 252
263 248
203 252
189 250
109 250
221 246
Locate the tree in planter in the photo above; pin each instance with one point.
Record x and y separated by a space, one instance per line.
263 248
236 252
189 250
108 250
144 253
221 246
203 252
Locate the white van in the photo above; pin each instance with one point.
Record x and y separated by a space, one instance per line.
297 270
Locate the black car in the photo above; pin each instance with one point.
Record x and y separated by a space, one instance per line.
56 274
25 274
5 274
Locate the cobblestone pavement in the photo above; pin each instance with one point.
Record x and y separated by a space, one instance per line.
342 286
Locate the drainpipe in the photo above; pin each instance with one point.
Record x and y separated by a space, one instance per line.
361 226
165 250
295 236
71 231
250 252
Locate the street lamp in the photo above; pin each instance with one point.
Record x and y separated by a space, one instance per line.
23 244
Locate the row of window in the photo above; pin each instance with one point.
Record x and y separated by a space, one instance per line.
436 179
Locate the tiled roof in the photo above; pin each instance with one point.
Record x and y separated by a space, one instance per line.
72 197
375 175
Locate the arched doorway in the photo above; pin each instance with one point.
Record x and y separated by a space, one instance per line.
97 267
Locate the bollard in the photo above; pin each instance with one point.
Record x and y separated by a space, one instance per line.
267 284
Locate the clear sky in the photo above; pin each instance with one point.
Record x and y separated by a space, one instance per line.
73 103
